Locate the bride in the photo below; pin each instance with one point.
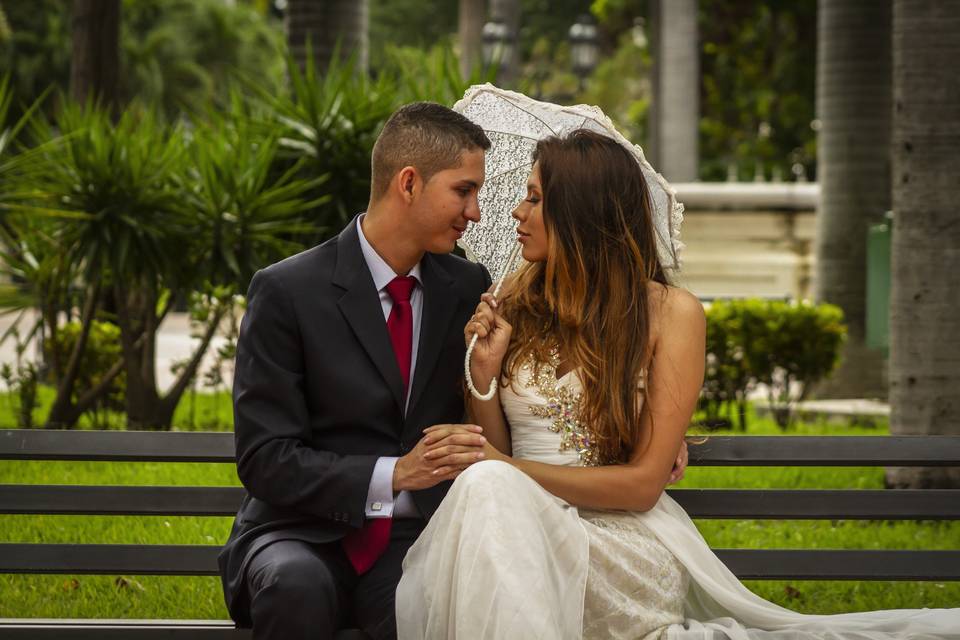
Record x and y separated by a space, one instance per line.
565 531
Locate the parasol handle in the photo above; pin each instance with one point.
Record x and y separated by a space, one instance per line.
473 341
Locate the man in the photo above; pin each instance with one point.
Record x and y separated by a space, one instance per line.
347 352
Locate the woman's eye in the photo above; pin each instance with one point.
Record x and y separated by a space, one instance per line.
533 200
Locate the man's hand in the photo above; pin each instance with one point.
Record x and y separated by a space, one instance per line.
680 465
443 452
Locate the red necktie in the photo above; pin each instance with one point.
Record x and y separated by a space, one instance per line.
365 545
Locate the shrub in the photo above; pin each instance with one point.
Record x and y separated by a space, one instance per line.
787 347
102 352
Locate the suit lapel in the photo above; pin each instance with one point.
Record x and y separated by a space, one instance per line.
439 304
360 306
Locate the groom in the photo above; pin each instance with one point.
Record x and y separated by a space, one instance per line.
347 352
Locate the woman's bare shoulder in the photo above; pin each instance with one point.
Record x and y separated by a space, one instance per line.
673 307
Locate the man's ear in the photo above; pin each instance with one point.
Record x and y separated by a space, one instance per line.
408 183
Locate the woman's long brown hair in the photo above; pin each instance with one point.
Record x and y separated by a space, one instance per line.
591 293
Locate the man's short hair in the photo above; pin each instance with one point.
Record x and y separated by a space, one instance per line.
427 136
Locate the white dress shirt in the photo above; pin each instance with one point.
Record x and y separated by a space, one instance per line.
380 499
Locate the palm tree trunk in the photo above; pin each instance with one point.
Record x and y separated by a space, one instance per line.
924 323
95 59
325 24
853 105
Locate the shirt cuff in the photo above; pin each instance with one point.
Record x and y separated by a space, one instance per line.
380 493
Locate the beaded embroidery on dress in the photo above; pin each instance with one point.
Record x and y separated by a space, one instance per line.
503 558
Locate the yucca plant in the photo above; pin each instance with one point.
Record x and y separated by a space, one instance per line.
331 120
248 211
435 77
105 221
144 213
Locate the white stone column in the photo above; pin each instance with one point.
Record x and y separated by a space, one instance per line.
675 108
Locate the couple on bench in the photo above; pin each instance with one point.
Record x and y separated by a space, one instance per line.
385 500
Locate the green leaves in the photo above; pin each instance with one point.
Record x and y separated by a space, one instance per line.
785 346
112 188
248 211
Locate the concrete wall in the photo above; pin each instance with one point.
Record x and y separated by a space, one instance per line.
746 239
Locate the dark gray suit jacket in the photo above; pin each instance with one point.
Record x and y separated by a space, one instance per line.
317 394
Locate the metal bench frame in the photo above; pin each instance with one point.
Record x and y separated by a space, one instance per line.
139 559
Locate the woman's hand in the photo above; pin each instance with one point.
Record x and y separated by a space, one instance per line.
493 338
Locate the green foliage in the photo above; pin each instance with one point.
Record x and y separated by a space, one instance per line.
758 64
112 187
101 353
180 54
36 52
175 55
216 302
787 347
246 212
757 70
138 212
21 378
432 74
620 86
329 122
419 24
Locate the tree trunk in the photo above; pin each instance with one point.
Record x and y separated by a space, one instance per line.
325 24
853 105
136 317
675 109
95 59
924 324
148 408
470 26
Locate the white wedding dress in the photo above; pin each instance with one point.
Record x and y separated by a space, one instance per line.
504 559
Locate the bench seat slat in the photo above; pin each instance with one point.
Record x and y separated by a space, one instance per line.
200 560
119 500
78 629
824 564
920 451
934 504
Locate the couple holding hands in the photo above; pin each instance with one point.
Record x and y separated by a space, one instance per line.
384 500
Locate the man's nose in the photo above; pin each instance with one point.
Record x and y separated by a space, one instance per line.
472 212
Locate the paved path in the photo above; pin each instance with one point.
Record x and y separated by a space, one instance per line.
173 343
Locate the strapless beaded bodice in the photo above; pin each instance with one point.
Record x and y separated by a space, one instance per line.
543 413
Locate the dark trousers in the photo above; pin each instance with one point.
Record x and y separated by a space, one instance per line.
301 591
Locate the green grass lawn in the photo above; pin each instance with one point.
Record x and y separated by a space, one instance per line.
200 597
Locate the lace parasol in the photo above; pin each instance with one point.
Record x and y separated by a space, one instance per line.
514 123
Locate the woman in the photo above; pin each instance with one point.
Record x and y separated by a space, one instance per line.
565 531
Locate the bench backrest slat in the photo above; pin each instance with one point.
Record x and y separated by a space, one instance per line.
153 446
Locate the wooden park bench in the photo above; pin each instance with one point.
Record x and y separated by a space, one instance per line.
200 560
